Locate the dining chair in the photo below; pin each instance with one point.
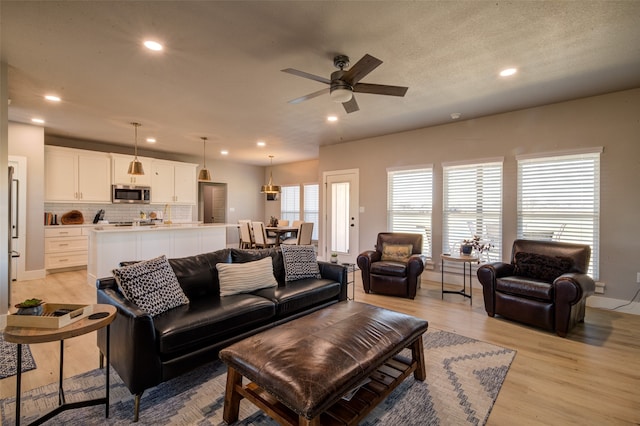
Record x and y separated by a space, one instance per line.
260 236
283 222
305 232
246 242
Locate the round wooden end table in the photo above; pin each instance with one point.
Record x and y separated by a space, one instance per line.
102 316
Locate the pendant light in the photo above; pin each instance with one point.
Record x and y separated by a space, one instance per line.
135 167
204 175
270 188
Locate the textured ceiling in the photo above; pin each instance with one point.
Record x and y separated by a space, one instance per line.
219 75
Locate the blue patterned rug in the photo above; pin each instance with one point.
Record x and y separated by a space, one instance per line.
464 377
8 358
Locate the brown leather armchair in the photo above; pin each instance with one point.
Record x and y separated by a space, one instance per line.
394 267
545 285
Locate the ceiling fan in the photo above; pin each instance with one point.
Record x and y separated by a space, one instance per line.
343 83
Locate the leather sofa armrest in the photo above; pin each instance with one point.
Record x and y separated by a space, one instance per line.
365 259
571 287
487 275
335 272
133 340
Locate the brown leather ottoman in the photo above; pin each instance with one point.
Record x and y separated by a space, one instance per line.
300 370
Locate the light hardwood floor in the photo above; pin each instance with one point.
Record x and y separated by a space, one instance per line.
591 377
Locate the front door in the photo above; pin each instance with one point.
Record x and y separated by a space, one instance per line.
341 201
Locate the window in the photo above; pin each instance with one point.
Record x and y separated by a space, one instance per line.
311 211
290 203
559 199
409 203
472 205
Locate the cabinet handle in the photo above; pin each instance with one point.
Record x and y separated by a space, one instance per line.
63 232
63 260
63 244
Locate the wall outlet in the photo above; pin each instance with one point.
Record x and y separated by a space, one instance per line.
638 277
599 287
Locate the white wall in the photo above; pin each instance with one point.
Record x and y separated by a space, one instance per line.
610 121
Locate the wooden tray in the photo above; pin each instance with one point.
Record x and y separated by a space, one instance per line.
47 319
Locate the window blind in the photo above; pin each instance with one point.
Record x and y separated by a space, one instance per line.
290 203
311 210
472 205
559 200
409 203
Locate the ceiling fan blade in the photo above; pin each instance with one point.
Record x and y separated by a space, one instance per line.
351 105
309 96
307 75
363 67
380 89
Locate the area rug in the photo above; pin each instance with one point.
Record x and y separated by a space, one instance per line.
8 355
464 377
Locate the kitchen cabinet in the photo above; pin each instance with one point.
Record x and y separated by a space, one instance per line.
77 175
65 246
173 182
120 166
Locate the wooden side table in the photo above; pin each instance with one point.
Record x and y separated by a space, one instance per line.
464 259
29 335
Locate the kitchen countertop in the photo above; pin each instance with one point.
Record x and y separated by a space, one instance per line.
159 227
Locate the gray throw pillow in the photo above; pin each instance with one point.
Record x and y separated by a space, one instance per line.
245 277
151 285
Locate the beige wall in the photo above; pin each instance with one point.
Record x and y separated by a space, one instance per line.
302 172
610 121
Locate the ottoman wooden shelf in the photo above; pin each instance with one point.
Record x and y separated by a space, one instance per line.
299 371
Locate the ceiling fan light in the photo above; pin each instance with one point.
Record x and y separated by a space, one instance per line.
341 95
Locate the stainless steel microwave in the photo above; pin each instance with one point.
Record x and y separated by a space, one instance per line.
130 194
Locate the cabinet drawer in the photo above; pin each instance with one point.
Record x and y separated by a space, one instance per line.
64 260
65 244
62 232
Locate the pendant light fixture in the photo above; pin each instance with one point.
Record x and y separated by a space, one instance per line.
204 175
270 188
135 167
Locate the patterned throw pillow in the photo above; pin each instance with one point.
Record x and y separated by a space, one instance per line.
396 252
151 285
541 267
299 262
245 277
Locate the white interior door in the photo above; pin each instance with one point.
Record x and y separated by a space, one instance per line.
341 206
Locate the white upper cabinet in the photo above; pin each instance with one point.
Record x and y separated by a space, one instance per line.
120 166
77 175
173 182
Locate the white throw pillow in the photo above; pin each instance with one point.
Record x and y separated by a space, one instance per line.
151 285
299 262
245 277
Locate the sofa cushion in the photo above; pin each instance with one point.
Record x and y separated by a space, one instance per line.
525 287
151 285
209 321
245 277
396 269
396 252
540 266
302 295
299 262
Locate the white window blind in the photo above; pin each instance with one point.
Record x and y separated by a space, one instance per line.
472 205
559 200
290 203
311 211
409 203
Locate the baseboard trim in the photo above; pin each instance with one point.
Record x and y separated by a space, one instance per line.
608 303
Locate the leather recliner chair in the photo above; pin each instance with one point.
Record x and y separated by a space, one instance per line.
545 285
395 271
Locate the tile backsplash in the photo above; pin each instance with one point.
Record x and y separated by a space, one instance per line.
121 212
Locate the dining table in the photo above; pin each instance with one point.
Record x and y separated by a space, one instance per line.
278 231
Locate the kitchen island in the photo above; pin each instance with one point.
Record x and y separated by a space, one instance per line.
109 245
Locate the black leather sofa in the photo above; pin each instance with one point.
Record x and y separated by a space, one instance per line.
146 351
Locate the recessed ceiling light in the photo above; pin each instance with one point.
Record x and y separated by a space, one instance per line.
52 98
37 120
224 152
151 140
332 118
508 72
261 143
153 45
